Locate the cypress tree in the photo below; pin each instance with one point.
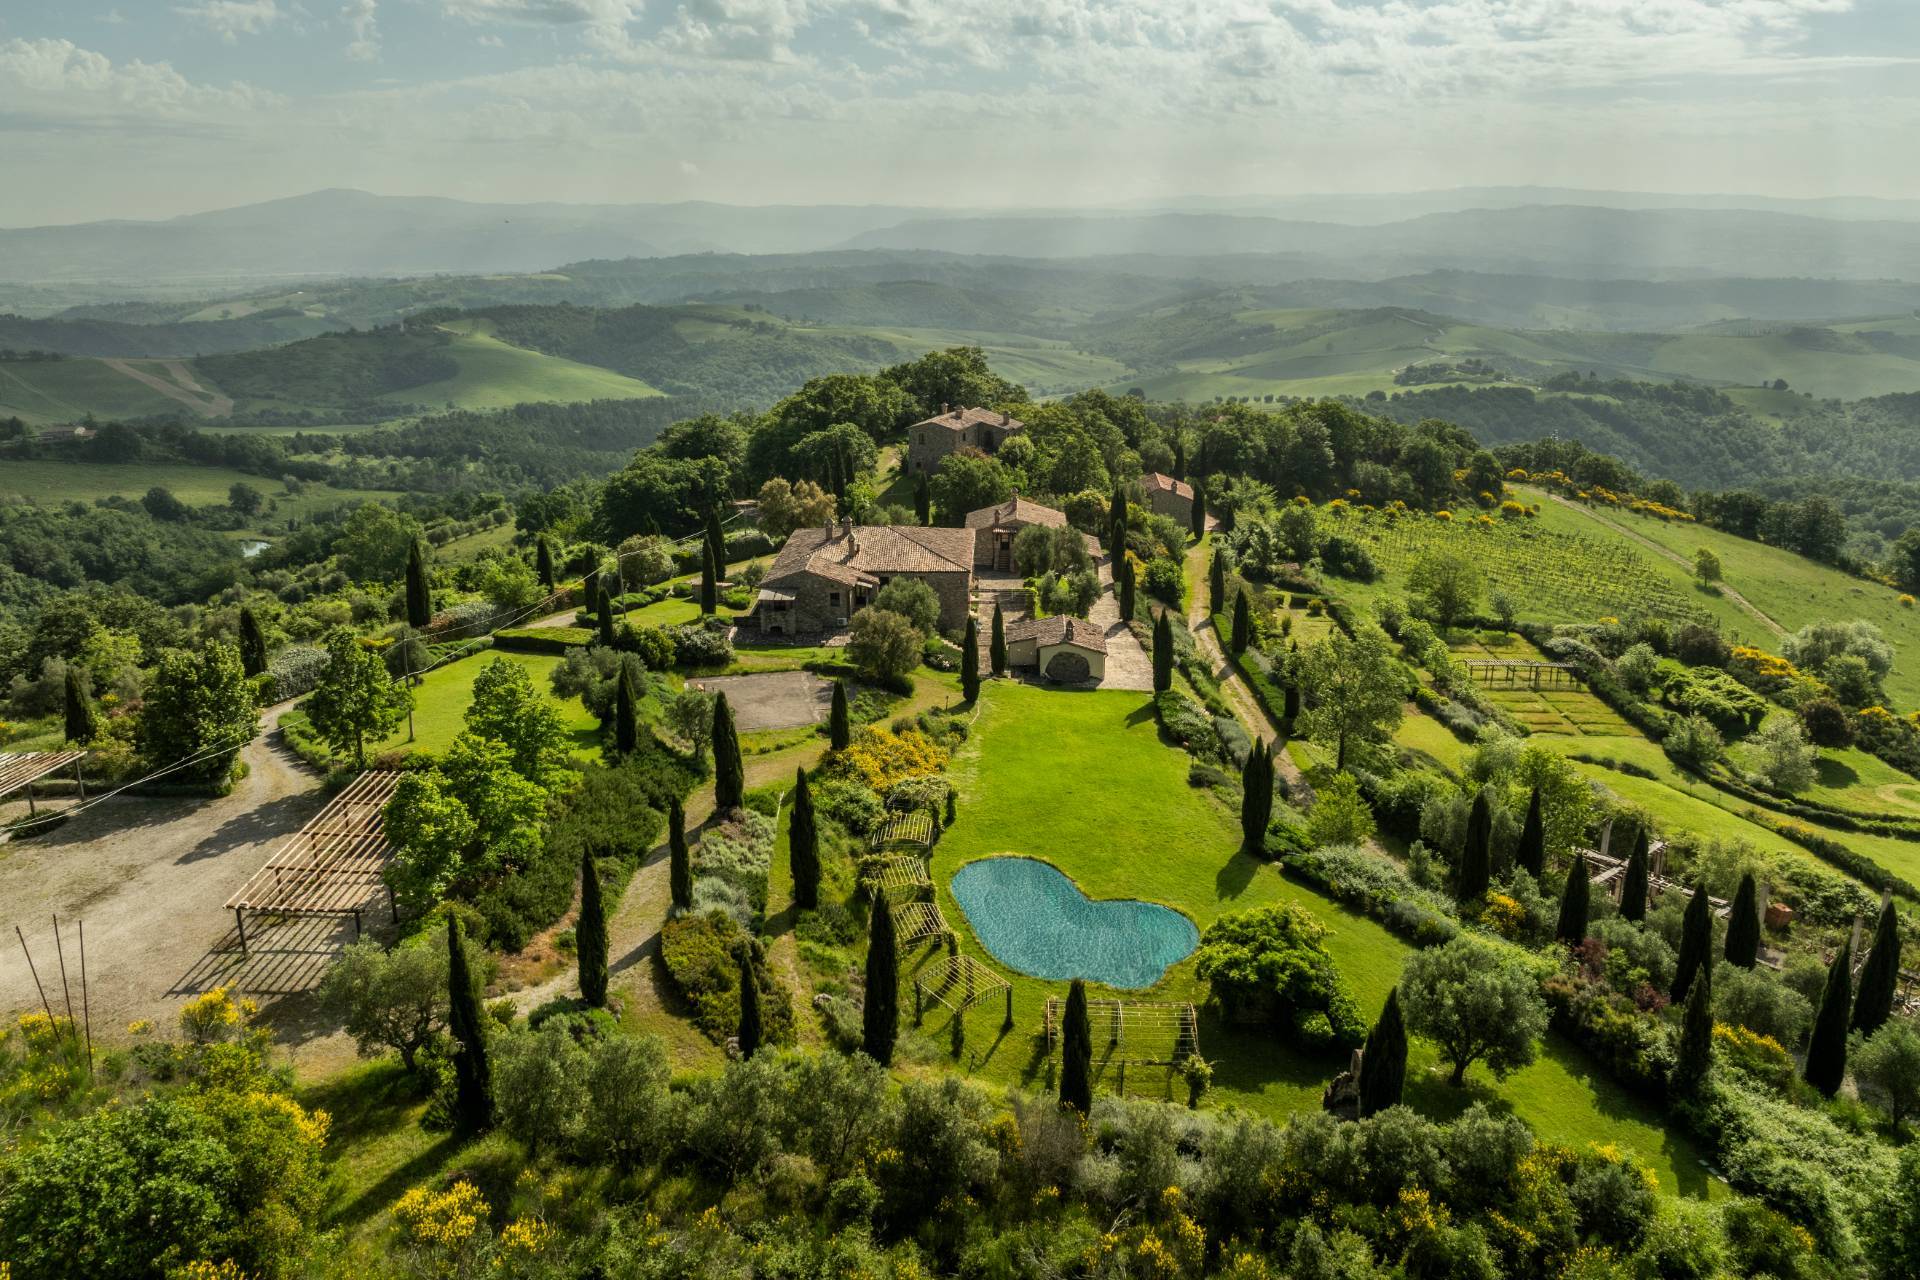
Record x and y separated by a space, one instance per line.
1476 858
839 733
997 643
1162 653
253 644
880 1021
1742 946
717 542
589 588
1242 622
1256 798
1126 585
543 562
1198 517
590 935
729 774
1696 942
1117 520
1574 901
803 845
1827 1048
82 724
1383 1063
709 582
1696 1037
749 1031
1633 885
923 500
603 607
626 722
1290 707
1217 580
472 1080
1179 458
1076 1052
1879 976
1531 852
679 864
419 598
970 661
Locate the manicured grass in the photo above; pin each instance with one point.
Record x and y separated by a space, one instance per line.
1422 733
440 704
1850 778
1082 780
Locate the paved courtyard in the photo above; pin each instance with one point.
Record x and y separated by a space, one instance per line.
773 699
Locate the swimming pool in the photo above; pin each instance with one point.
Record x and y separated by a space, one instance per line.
1032 918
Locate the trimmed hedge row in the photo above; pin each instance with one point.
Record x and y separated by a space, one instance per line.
549 640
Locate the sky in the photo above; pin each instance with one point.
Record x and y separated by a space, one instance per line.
153 108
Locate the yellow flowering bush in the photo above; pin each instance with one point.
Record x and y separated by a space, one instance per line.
880 757
226 1269
444 1230
1504 915
1906 601
216 1017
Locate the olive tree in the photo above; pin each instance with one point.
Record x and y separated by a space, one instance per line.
1478 1000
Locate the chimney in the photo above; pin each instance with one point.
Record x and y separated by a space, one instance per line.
1005 418
944 406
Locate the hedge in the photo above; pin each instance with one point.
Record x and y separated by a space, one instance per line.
552 640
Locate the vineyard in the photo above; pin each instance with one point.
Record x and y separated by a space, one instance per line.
1548 574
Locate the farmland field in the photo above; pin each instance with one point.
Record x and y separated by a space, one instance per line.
51 391
1550 708
50 481
495 375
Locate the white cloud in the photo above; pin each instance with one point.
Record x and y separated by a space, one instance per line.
561 12
362 19
231 19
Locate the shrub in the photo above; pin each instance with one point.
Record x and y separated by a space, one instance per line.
700 953
697 647
1378 887
878 758
1165 580
1184 722
1701 646
1268 968
884 645
294 672
730 867
1695 743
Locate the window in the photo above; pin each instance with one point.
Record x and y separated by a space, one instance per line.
833 599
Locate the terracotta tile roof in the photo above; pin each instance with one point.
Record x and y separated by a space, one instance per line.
1059 629
867 552
961 419
1157 483
1016 510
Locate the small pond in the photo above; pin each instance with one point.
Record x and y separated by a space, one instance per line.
1033 919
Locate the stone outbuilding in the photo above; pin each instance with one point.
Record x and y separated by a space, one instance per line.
994 529
930 440
1169 497
1061 648
826 574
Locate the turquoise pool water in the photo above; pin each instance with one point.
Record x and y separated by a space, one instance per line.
1032 918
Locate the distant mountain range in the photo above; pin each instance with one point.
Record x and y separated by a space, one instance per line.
1526 231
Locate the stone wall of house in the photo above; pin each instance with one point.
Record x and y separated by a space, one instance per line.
1168 503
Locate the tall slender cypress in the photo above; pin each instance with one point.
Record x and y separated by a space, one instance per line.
729 774
1217 580
997 643
419 598
253 644
923 500
1476 857
1531 852
880 1020
1696 1037
1162 653
749 1032
1633 883
1826 1063
1696 941
709 582
1125 586
1076 1052
1117 520
803 844
603 609
717 541
82 725
1256 798
1383 1062
970 661
839 731
589 588
1242 622
1879 976
543 562
590 935
626 713
1574 902
472 1079
1197 519
1742 946
679 863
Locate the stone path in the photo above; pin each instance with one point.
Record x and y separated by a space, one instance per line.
1128 665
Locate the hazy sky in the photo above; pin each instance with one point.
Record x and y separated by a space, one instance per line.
148 108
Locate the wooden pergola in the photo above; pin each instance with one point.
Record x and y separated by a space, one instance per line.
958 983
333 865
908 829
1515 672
1141 1033
915 922
1609 874
905 874
19 770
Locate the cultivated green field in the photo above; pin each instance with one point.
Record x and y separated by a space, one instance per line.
40 392
1043 365
1091 820
496 375
47 481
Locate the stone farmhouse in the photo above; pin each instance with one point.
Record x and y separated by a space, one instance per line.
930 440
1169 497
994 529
824 575
1069 650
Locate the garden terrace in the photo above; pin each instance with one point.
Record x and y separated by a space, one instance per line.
958 983
1494 673
910 830
19 770
1140 1033
905 873
1609 873
915 922
333 865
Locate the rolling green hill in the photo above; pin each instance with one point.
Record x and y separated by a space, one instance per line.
40 392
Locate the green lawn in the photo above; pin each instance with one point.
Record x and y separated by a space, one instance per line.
440 704
1082 780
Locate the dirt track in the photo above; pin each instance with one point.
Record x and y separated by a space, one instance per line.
149 878
183 388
